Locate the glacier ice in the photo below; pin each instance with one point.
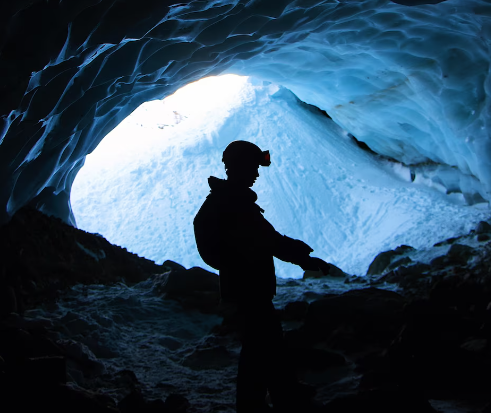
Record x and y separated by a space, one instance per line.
411 80
145 182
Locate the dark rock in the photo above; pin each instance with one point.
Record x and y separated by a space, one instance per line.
176 403
334 272
300 338
8 301
460 254
312 295
383 260
126 378
80 358
476 345
156 406
460 292
45 370
57 399
381 401
208 358
369 313
399 263
295 310
406 277
354 279
178 282
42 257
132 403
446 242
483 228
428 355
193 288
483 237
173 265
439 262
316 359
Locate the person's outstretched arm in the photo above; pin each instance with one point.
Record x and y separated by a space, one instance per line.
298 252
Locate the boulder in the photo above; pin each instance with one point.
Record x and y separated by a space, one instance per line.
214 357
173 265
381 401
399 263
448 241
48 370
354 279
295 310
8 301
334 272
132 403
176 403
315 359
483 237
80 359
360 313
434 355
384 259
405 276
183 282
460 254
193 288
483 228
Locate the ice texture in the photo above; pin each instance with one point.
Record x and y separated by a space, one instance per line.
411 80
145 182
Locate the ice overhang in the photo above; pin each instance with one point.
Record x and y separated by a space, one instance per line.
411 82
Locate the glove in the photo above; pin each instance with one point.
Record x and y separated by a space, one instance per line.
301 247
315 264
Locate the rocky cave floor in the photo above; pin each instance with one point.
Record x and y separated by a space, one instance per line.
408 337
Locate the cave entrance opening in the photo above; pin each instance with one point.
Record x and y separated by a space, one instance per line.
145 182
141 187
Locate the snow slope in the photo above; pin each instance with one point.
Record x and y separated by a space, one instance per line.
144 183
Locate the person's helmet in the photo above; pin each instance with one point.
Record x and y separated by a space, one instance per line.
243 153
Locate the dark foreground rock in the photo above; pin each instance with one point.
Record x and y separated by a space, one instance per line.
382 261
193 288
368 349
40 371
362 314
42 256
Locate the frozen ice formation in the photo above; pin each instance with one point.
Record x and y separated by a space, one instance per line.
411 80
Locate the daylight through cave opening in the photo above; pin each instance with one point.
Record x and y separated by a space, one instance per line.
145 182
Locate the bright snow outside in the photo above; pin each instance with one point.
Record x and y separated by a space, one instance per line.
144 183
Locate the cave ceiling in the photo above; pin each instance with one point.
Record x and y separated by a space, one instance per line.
71 71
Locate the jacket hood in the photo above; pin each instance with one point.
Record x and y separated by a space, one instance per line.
223 187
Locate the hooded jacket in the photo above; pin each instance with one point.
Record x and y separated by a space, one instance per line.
233 237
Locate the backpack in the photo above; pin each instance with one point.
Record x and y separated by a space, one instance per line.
206 233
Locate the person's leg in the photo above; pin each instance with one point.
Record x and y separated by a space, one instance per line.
281 377
252 372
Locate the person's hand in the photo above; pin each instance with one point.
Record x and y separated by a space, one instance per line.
315 264
322 265
301 247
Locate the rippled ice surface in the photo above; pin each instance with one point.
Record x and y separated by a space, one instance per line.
171 350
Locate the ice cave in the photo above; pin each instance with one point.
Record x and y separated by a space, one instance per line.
377 116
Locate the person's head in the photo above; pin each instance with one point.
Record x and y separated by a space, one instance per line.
242 160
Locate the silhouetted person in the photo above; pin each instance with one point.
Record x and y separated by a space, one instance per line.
233 236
